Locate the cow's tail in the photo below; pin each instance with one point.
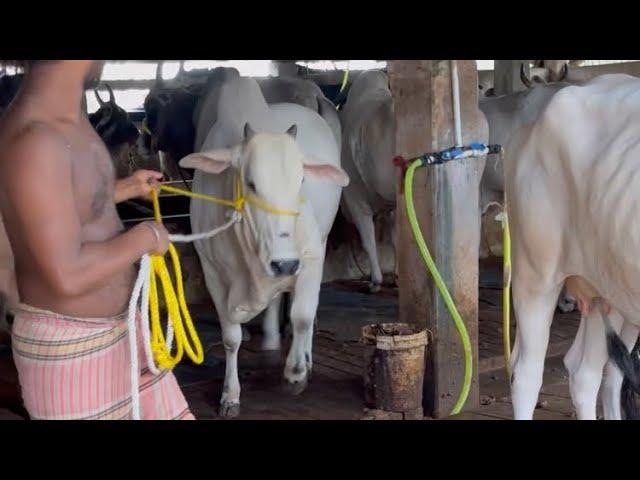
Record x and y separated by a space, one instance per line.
629 365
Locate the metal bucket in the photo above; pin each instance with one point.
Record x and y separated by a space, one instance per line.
394 366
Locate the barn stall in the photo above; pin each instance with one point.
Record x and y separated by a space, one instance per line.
445 199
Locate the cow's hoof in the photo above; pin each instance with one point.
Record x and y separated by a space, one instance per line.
229 409
297 387
271 357
374 287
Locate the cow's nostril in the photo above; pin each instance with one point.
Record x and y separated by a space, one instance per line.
285 267
275 268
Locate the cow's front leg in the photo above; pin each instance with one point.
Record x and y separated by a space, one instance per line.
271 332
271 325
303 311
231 338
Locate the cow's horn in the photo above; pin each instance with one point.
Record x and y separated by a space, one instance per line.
248 132
523 77
112 99
100 101
565 72
181 77
159 73
293 131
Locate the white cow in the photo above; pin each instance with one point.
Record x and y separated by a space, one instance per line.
247 268
368 147
275 90
507 114
572 183
302 92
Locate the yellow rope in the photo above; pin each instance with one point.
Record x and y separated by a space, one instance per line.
179 315
506 290
237 204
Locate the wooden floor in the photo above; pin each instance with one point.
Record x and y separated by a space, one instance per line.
335 392
336 388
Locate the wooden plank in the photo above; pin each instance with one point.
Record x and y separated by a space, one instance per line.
555 349
557 390
348 361
327 361
583 74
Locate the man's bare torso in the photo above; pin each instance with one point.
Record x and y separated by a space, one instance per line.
93 187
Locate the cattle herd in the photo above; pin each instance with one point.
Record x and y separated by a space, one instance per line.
569 172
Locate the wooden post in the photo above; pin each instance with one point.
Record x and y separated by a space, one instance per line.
447 205
286 68
506 76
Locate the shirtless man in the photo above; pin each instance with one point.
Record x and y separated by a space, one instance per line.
75 265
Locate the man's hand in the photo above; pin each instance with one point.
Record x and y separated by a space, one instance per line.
160 238
138 185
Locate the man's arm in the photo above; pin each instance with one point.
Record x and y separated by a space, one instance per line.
45 214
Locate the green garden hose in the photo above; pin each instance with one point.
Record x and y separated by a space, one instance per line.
426 256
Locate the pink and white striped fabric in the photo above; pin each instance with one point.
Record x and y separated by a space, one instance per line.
78 369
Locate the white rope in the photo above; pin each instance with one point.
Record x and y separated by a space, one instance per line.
144 316
141 292
145 268
235 217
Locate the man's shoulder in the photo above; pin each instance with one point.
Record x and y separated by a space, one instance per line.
30 144
36 136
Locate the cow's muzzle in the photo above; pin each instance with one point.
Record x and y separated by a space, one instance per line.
283 268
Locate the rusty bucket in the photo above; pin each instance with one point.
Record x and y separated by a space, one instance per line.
394 366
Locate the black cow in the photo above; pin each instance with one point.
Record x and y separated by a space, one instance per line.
169 110
113 123
117 131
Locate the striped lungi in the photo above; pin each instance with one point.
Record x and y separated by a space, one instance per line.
79 369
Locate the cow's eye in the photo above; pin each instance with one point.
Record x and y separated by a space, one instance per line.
252 187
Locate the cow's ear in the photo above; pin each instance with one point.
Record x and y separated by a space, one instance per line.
325 171
212 161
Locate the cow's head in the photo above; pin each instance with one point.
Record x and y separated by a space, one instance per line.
112 122
557 71
271 169
527 81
